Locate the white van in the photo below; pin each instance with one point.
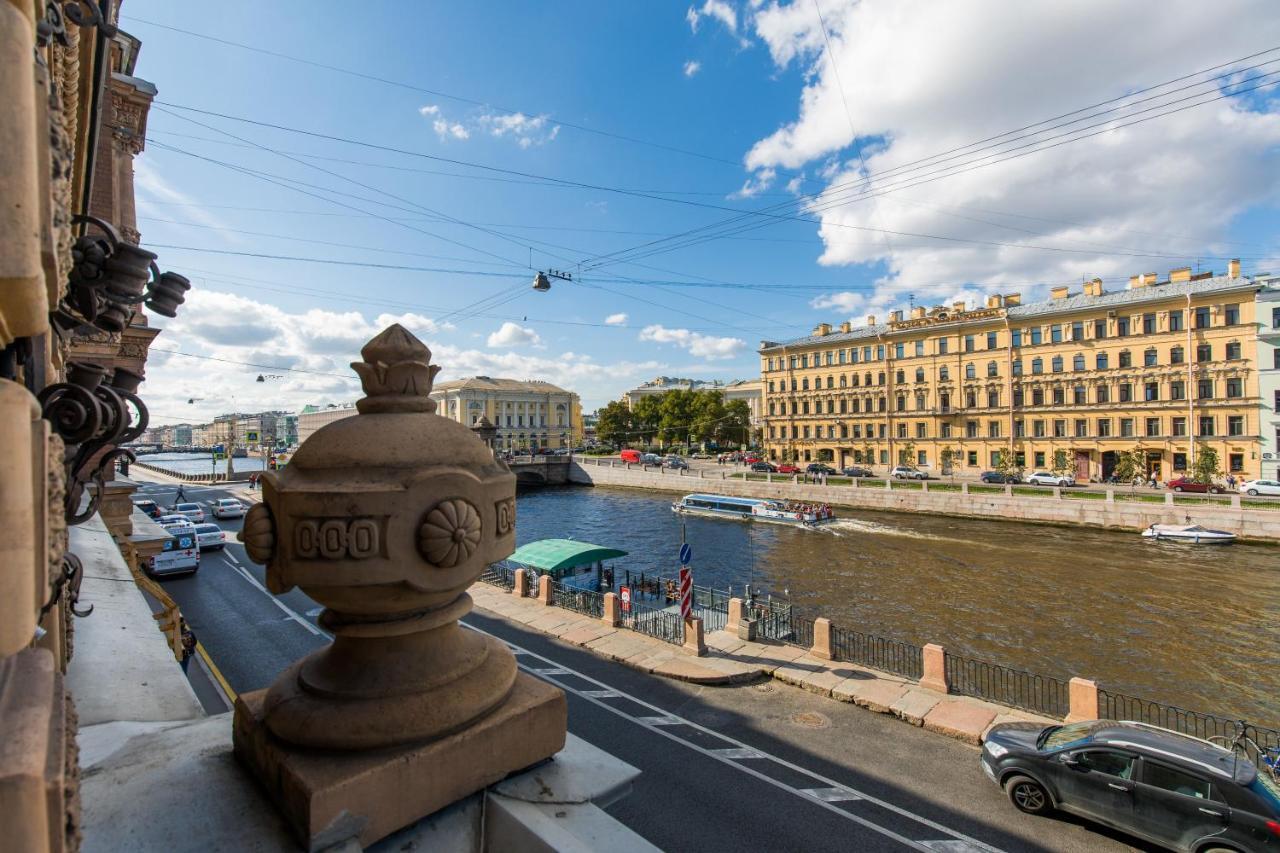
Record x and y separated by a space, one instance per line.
181 552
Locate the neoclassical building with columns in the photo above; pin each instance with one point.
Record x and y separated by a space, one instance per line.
529 414
1161 366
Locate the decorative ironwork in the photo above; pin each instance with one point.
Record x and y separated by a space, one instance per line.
880 653
585 601
109 277
93 418
82 13
67 584
497 574
1117 706
1041 694
663 625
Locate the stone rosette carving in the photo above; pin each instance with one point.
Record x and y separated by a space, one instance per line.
450 533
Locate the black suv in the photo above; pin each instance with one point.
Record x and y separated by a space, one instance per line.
856 471
1173 789
997 477
819 468
763 467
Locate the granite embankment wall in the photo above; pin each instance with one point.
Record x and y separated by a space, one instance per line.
1051 507
220 477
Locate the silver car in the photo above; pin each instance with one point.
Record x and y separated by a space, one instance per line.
210 537
1260 487
228 508
1047 478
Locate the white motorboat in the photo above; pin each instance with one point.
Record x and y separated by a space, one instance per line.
1193 533
754 509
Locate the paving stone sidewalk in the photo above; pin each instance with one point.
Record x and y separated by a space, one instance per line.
731 660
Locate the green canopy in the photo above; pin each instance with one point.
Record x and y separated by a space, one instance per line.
552 555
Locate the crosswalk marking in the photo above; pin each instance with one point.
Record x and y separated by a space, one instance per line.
660 721
831 795
736 752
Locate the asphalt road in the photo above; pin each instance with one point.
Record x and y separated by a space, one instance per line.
727 768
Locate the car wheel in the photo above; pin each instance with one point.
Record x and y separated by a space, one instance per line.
1028 795
1253 493
1177 488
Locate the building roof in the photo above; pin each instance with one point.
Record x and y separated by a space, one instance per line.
552 555
1079 302
490 383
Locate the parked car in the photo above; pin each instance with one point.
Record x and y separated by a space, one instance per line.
151 508
1186 484
675 462
192 512
787 468
180 553
172 518
1260 487
1048 478
906 472
750 459
997 477
820 468
764 467
632 456
856 471
210 537
228 508
650 459
1175 790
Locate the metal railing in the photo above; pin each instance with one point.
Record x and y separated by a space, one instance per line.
1118 706
496 574
882 653
1040 694
585 601
660 624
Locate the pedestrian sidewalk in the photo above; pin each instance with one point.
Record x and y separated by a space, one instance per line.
730 660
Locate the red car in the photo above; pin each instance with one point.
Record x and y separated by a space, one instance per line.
788 468
1185 484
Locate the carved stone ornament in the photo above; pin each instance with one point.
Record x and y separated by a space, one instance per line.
450 534
386 518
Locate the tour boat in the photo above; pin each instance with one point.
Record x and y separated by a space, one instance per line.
755 509
1192 533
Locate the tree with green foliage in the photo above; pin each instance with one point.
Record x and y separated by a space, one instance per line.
907 454
736 426
1205 470
614 424
868 454
1007 464
1130 465
1061 464
646 415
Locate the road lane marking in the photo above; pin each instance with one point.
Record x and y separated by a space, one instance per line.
737 752
831 795
278 603
602 694
212 668
652 723
553 670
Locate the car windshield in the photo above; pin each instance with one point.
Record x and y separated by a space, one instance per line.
188 506
1073 734
207 528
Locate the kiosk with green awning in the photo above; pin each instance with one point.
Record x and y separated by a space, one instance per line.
568 561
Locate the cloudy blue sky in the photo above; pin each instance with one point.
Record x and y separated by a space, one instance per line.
712 175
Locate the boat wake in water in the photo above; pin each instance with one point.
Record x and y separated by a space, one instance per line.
848 526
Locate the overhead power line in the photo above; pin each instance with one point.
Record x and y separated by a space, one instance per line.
437 93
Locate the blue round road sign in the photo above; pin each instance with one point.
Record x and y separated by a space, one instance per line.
686 554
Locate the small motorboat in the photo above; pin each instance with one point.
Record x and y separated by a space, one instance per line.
1193 533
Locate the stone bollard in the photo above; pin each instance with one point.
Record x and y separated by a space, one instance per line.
1111 496
1083 700
611 613
924 485
1008 490
737 611
1235 501
1057 493
888 483
694 642
821 638
964 488
520 583
386 518
544 591
935 668
1168 498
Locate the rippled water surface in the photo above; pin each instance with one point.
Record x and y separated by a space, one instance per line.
1197 627
200 463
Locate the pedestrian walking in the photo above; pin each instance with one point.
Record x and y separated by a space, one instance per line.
180 496
188 645
1231 481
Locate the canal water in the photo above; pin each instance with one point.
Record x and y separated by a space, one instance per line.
200 463
1196 627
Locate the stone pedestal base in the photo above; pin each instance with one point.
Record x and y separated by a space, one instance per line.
38 803
328 796
116 506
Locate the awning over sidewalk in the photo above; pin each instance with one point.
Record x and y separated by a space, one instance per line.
552 555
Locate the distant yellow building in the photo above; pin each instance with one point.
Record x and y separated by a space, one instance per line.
1165 367
529 415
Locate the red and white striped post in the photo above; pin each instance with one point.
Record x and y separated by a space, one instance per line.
686 592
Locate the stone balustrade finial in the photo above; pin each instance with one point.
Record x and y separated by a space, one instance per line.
396 373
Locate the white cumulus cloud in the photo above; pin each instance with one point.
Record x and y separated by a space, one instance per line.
692 67
1150 196
717 9
525 130
514 335
696 343
616 320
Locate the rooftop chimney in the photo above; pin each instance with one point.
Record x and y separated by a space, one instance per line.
958 307
1148 278
1135 281
1180 274
895 317
822 329
1093 288
871 319
993 301
1233 268
917 313
846 326
1059 292
1012 299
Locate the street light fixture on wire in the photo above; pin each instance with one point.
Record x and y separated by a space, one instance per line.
542 281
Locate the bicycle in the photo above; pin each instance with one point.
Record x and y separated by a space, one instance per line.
1267 758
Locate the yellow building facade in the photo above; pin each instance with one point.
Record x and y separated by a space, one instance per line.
529 415
1163 367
